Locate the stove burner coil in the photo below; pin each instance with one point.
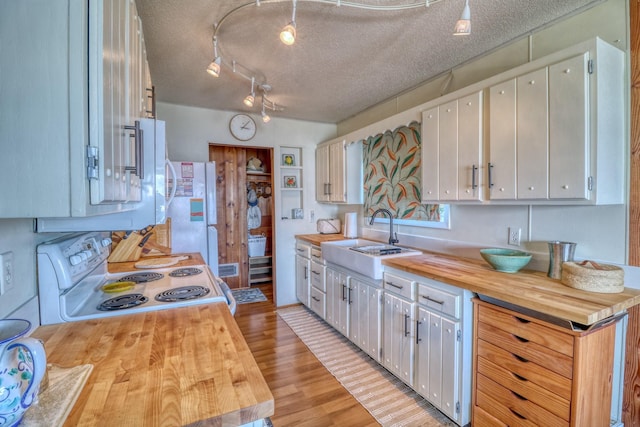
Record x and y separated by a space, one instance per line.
123 301
182 294
185 272
144 277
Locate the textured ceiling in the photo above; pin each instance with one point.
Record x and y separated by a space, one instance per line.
344 59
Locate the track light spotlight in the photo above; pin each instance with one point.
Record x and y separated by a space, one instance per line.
463 26
250 99
288 33
215 66
265 117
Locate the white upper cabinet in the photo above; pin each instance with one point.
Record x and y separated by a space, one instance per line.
452 150
339 172
69 140
556 133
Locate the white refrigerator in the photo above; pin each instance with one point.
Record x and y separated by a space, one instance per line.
192 209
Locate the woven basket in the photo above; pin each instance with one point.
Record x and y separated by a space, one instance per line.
593 277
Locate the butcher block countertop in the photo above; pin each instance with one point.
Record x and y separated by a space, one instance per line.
316 239
532 290
167 367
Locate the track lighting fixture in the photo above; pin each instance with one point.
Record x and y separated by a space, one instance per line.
463 26
288 37
249 100
214 67
288 33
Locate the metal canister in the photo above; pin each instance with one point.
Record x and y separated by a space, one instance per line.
559 252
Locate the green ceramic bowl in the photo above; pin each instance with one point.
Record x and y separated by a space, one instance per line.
506 260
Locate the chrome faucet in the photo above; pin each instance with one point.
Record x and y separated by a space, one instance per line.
393 237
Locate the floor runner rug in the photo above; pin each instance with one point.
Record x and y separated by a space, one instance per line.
247 295
388 400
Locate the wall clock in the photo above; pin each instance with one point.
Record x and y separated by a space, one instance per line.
242 127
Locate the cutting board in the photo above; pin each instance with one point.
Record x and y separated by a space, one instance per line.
159 262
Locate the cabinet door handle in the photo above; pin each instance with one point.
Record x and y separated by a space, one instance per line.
474 184
138 135
418 339
306 272
344 297
428 298
329 189
349 295
489 169
406 325
394 285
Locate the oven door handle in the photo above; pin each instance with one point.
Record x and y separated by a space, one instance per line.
231 301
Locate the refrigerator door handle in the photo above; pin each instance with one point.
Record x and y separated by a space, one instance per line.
175 183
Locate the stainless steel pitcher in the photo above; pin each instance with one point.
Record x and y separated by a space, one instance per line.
559 252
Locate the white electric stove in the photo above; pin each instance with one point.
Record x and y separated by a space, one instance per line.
74 283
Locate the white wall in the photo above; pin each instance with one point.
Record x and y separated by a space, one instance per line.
190 130
599 231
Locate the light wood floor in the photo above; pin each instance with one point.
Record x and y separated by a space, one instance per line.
305 393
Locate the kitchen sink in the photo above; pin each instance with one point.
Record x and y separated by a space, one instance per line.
362 256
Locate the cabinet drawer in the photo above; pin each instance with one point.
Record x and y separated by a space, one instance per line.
513 409
303 249
527 330
398 285
482 419
521 389
318 302
520 367
440 300
317 276
529 350
316 254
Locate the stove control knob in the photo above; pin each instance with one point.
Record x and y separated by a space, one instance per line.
83 255
88 253
105 242
75 259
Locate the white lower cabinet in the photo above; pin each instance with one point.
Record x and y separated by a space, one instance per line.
338 297
365 311
419 329
302 279
398 332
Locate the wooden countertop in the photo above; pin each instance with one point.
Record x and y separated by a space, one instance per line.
167 367
318 238
529 289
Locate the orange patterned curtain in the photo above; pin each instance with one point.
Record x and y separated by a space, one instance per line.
392 174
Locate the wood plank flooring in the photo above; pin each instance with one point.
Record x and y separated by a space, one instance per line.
305 393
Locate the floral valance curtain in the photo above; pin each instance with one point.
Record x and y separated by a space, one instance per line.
392 174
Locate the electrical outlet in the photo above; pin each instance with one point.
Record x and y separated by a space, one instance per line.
514 236
6 272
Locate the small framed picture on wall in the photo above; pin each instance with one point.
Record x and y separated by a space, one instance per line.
290 182
288 160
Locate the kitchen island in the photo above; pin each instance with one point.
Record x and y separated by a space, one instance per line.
180 366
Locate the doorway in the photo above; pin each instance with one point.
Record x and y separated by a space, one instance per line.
244 188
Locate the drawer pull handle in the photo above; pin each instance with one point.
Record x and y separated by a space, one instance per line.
521 320
517 414
315 272
428 298
519 396
520 339
520 358
394 285
520 377
315 298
